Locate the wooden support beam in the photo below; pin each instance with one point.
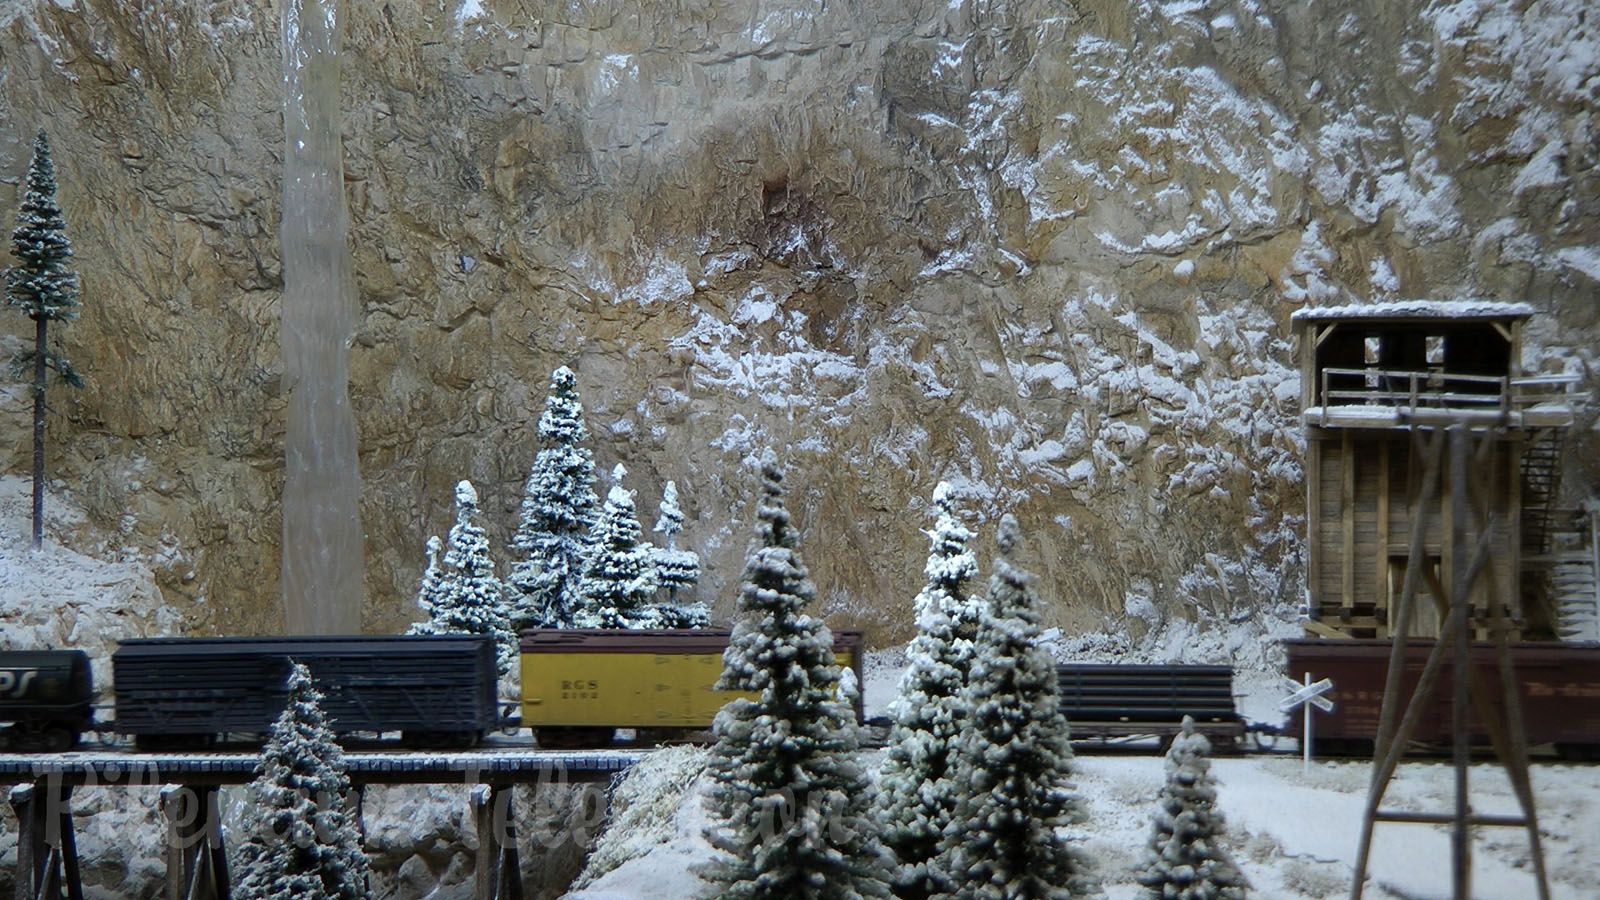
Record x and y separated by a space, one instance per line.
1477 535
357 807
498 873
1447 547
214 849
1513 475
47 849
1382 569
170 802
1318 629
1347 509
67 846
30 840
1390 735
197 860
1425 818
1314 549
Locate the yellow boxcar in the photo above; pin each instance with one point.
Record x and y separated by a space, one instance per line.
617 678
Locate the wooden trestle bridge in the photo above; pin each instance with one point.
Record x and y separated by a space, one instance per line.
197 869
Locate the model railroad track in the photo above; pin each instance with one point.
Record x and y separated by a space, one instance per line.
633 690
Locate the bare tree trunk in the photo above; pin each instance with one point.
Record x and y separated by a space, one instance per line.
38 430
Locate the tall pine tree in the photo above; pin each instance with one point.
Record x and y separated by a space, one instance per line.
619 578
918 792
1185 860
793 802
1003 842
559 509
299 840
45 290
677 569
466 597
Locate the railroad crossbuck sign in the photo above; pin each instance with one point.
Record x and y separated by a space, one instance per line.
1310 693
1305 697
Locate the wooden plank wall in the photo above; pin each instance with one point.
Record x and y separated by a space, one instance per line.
1362 486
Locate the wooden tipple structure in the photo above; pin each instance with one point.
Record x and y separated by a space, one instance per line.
1380 384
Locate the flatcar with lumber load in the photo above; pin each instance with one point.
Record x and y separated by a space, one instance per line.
1114 700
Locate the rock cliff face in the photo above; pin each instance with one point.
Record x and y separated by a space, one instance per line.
1046 250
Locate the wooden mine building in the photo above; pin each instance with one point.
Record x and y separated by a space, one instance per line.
1379 382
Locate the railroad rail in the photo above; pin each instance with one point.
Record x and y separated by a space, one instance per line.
499 766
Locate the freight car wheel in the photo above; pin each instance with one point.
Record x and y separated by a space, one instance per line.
1568 752
166 743
453 740
1225 745
58 739
568 737
36 738
1342 747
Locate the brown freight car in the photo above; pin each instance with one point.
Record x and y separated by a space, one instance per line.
1559 687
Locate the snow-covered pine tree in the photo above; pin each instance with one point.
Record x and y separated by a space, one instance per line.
793 803
299 841
559 509
430 591
467 598
1184 860
619 577
681 615
45 290
917 790
676 568
1003 842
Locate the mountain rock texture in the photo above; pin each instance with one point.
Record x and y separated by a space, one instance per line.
1045 250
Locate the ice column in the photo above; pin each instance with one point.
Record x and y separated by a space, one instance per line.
322 547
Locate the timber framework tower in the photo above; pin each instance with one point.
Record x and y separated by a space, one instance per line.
1379 384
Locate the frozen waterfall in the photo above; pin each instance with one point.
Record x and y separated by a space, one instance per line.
322 541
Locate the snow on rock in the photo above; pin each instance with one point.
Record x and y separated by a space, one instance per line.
857 230
419 839
1583 259
654 836
58 598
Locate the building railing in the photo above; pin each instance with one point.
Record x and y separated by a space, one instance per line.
1401 389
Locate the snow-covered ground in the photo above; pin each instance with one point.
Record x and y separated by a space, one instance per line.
1294 834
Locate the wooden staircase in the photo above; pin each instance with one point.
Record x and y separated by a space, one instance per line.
1541 475
1560 544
